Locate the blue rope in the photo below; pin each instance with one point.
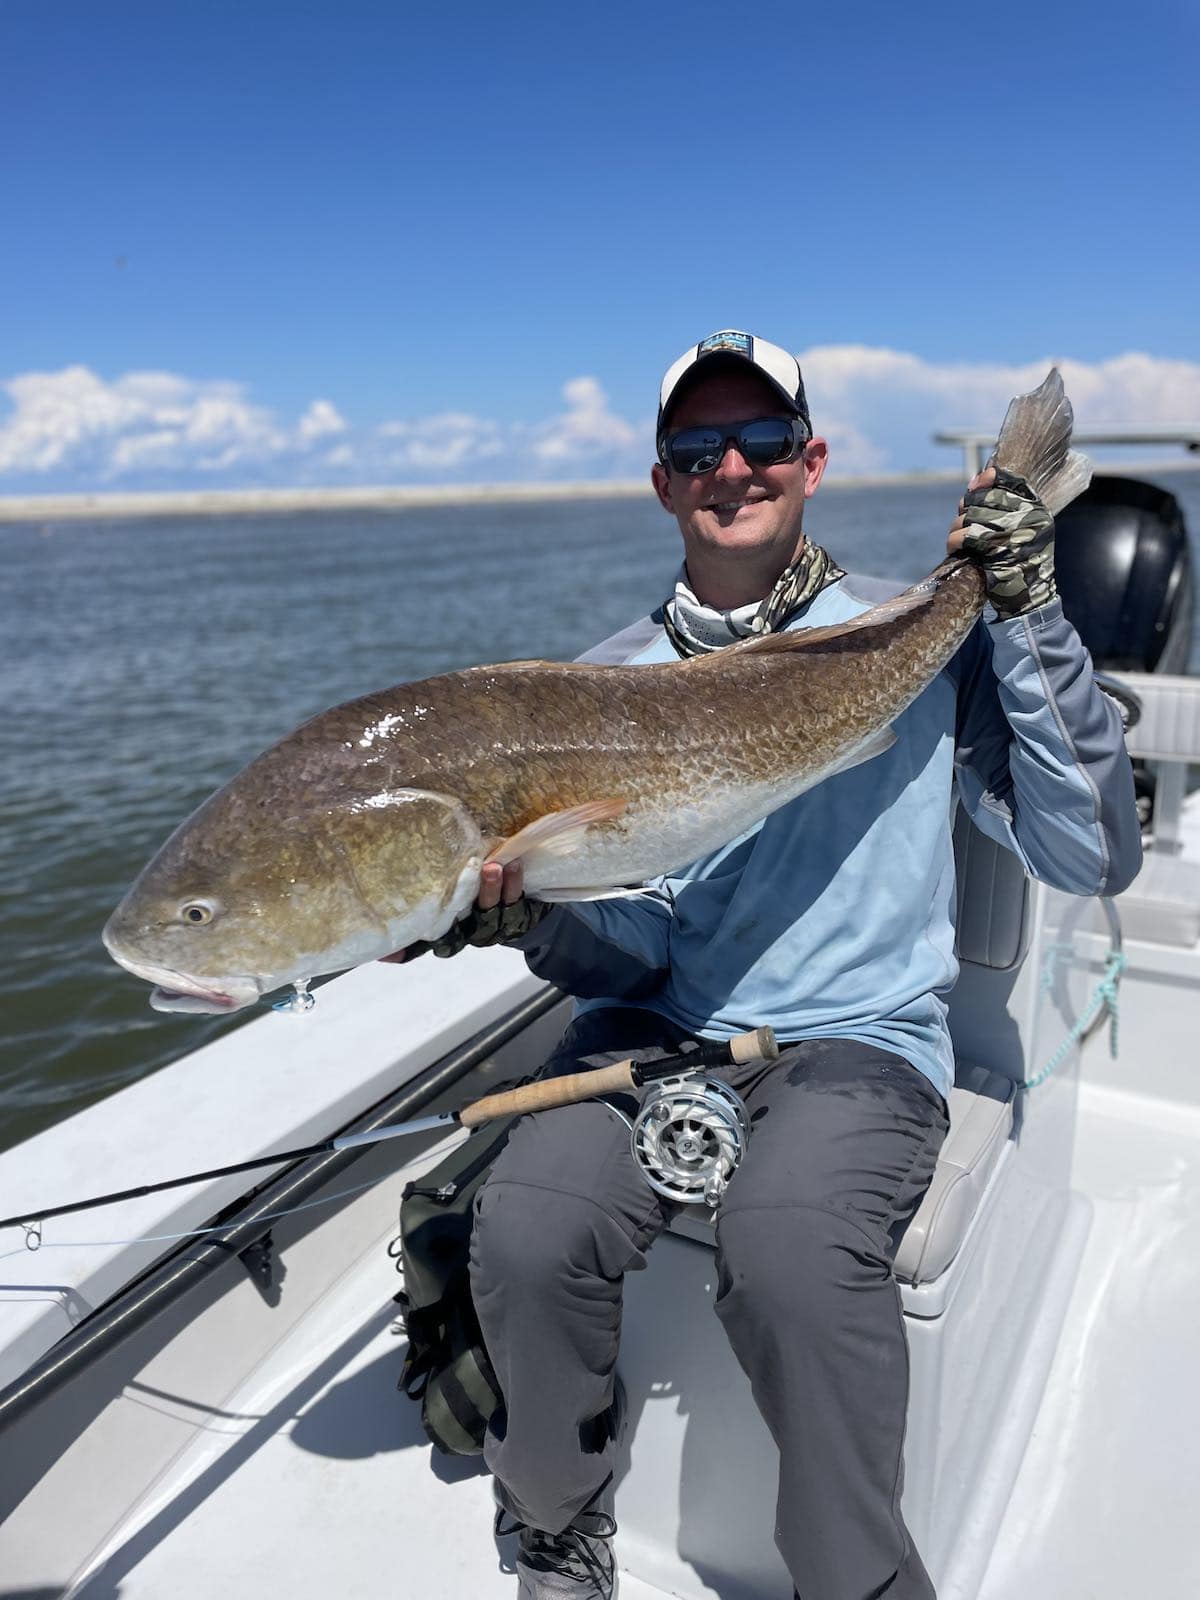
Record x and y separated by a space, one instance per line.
1104 999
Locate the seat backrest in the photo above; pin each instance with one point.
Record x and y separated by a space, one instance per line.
993 931
992 894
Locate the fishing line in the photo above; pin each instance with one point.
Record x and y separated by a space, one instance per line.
191 1233
707 1160
35 1242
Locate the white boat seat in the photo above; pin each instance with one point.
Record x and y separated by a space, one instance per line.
992 937
984 1268
1168 728
981 1118
981 1114
1163 903
991 924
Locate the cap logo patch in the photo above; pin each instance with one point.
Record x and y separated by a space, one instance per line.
727 339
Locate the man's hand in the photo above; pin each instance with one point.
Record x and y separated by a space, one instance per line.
501 911
1003 525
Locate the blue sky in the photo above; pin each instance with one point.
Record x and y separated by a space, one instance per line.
381 242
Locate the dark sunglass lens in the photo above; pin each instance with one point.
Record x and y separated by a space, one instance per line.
695 449
765 441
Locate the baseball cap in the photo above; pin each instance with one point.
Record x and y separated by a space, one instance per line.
776 365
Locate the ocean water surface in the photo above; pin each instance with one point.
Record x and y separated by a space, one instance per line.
143 662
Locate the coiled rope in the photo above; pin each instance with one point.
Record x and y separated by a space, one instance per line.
1104 1002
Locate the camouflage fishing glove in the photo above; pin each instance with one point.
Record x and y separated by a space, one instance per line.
485 927
1011 534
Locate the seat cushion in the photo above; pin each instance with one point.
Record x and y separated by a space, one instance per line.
981 1116
992 918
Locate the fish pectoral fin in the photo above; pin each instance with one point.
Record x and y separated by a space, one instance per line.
555 896
876 745
557 833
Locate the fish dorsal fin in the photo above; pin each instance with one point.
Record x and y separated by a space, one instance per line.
809 638
557 833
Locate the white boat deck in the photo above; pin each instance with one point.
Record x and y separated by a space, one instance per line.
315 1480
243 1445
1104 1506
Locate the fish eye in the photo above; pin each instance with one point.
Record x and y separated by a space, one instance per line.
197 912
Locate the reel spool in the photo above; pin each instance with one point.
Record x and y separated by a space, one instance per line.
689 1136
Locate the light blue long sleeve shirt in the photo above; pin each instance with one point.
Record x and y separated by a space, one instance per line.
835 915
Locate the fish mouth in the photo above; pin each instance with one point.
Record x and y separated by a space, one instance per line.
175 991
208 1002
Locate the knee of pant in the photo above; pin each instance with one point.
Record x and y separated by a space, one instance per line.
793 1262
532 1240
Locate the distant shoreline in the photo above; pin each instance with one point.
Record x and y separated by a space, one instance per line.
275 502
388 497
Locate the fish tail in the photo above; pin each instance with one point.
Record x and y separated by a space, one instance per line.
1035 443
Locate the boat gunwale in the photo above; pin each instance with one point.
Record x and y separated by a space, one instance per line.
246 1220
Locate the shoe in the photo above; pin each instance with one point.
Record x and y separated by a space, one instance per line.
576 1564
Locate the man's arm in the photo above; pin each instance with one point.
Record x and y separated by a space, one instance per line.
1041 759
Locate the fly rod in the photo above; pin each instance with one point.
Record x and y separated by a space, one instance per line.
758 1045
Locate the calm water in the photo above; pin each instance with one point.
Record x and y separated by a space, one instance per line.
142 663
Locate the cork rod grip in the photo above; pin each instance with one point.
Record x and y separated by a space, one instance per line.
759 1045
552 1092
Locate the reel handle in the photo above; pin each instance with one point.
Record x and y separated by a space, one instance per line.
758 1045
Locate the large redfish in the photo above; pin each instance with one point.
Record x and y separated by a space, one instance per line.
366 828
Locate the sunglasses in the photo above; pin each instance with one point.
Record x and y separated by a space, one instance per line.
761 443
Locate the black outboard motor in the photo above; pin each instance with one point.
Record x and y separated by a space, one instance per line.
1124 571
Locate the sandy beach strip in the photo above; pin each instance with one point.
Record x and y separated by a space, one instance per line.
106 506
384 497
277 502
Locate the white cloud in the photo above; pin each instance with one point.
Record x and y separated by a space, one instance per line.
446 442
321 421
57 413
878 408
586 430
77 422
1132 389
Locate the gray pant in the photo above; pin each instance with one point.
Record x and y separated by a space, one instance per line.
845 1139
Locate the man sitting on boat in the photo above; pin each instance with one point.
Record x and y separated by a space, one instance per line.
833 922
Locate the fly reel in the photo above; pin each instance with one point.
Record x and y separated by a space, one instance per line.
689 1136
